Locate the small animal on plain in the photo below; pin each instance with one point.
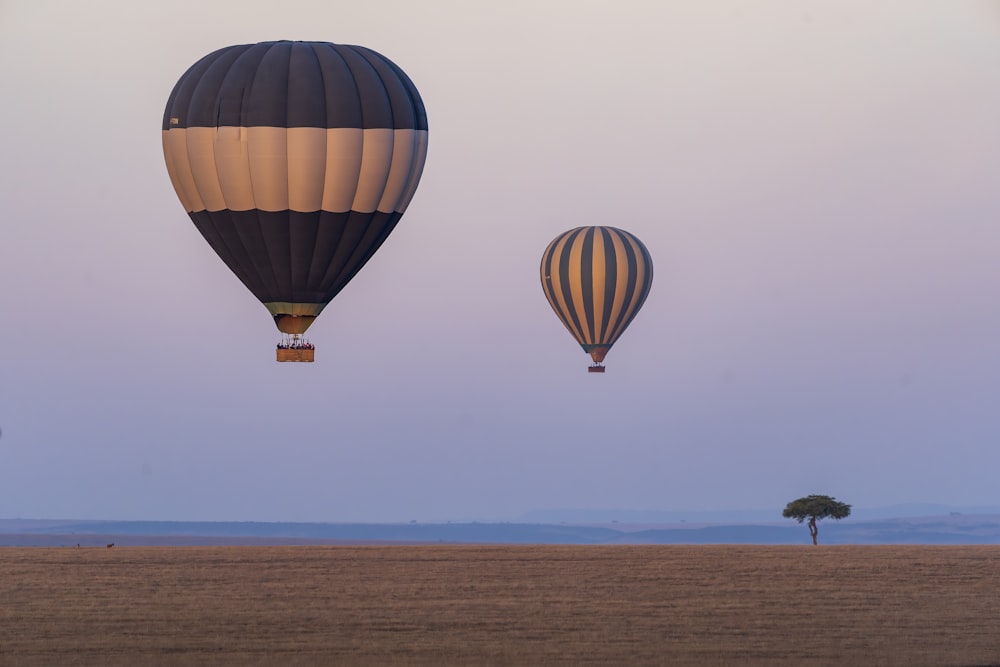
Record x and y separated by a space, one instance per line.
111 545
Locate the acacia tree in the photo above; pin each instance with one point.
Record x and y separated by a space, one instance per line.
815 508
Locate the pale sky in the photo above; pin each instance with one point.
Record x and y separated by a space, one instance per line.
816 182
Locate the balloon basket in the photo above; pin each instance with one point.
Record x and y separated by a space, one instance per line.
595 369
289 354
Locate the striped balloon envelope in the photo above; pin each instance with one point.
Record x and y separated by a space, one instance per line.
596 279
295 161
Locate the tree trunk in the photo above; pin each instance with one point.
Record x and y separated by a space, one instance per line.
813 530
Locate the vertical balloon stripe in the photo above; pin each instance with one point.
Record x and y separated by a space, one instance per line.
598 279
583 287
232 159
549 280
254 237
400 166
275 233
405 104
179 170
416 168
640 278
220 230
343 168
556 277
619 284
400 99
552 282
342 99
376 110
305 107
226 102
328 238
569 271
357 227
607 286
376 157
632 291
628 287
267 95
303 229
201 158
306 161
180 102
562 286
647 272
209 229
378 231
268 152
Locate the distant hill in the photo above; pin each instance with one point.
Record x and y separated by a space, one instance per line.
952 528
731 516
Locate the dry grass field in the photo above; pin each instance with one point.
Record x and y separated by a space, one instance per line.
501 605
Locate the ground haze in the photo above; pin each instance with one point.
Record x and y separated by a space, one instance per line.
697 605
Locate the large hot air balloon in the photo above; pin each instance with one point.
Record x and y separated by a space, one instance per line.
295 160
596 279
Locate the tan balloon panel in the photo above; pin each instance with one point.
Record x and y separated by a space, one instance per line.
299 168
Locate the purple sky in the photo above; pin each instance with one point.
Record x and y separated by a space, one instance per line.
816 183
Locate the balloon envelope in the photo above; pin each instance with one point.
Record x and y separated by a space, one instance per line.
295 160
596 280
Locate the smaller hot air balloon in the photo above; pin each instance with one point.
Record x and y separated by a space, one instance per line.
596 279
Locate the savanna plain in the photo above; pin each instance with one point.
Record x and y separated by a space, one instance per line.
501 605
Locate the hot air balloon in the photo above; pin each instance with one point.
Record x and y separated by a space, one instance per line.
295 160
596 279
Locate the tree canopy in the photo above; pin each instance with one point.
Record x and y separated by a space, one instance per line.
814 508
